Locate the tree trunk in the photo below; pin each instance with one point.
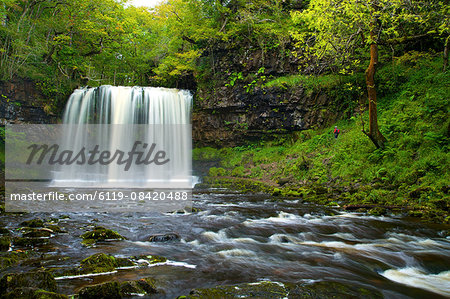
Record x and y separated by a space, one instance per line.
374 133
446 53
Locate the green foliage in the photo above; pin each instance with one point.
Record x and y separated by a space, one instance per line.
415 116
217 171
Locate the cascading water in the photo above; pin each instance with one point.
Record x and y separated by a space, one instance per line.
117 117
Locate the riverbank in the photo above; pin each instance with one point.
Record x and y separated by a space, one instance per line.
410 175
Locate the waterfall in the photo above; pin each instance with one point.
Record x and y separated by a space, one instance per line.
115 118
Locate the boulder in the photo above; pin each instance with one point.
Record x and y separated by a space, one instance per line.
164 237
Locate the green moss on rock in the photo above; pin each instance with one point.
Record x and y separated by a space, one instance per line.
105 290
100 234
267 289
5 243
39 280
33 223
29 242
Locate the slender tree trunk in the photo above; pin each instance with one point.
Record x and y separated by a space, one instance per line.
446 53
374 133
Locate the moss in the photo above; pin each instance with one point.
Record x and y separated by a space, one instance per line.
39 279
4 231
113 289
101 234
269 289
105 290
43 294
55 228
152 259
33 223
88 242
276 192
5 243
378 211
97 263
29 242
36 233
11 258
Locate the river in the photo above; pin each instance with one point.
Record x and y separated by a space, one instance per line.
237 238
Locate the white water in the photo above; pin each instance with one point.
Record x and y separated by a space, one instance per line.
115 118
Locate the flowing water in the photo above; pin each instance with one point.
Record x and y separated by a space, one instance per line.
118 118
238 238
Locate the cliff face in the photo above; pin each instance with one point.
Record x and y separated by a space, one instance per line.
226 115
21 103
233 116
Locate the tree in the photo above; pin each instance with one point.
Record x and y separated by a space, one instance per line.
343 32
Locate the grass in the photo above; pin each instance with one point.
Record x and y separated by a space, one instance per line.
411 170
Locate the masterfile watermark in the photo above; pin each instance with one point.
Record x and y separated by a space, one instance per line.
93 156
118 164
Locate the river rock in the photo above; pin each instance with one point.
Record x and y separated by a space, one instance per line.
97 263
37 233
114 289
105 290
164 237
100 234
29 242
11 258
268 289
34 280
33 223
5 243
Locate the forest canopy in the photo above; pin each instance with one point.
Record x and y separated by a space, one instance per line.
66 43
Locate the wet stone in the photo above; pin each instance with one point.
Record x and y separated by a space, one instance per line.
100 234
105 290
33 223
114 289
38 280
8 259
164 237
151 259
29 242
97 263
268 289
37 233
4 232
5 243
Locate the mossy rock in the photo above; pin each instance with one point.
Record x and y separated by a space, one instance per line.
114 289
55 228
269 289
33 293
29 242
276 192
105 290
97 263
152 259
142 286
101 234
164 237
264 289
4 232
5 243
124 262
327 289
8 259
33 223
378 211
42 294
39 280
37 233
